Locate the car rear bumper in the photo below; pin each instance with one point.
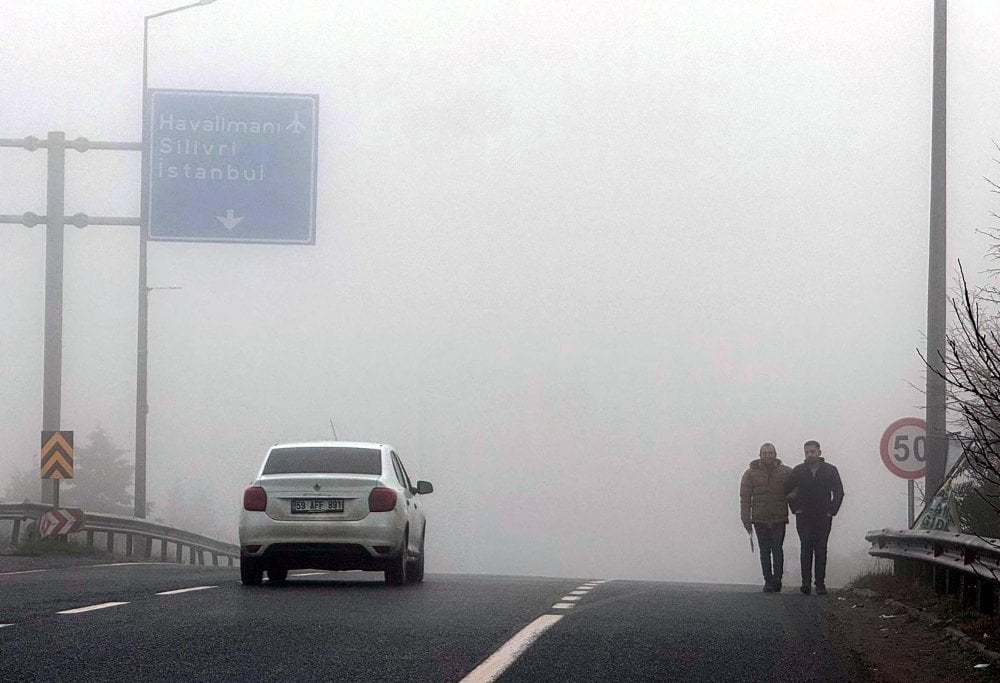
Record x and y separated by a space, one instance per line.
361 544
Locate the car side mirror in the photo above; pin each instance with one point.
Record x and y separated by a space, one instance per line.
424 487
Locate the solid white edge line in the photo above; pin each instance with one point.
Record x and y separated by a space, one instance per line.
91 566
3 625
186 590
508 653
90 608
27 571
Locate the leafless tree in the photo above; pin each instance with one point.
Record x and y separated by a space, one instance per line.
971 371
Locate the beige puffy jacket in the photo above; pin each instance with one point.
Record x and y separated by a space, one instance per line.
762 493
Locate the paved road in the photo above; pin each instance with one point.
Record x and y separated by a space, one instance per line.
351 627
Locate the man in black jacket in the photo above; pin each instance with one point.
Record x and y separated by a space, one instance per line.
814 493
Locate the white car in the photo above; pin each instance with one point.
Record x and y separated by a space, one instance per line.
332 505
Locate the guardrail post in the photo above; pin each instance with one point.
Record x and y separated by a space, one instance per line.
111 542
15 532
987 597
128 546
953 583
180 552
230 560
215 559
970 591
201 557
193 555
163 550
90 538
147 547
940 579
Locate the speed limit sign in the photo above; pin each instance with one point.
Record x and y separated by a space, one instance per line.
904 448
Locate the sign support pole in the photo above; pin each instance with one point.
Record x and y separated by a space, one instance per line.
909 503
52 366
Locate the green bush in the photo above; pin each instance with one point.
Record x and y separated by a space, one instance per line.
31 543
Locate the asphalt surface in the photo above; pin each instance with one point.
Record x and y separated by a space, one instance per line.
352 627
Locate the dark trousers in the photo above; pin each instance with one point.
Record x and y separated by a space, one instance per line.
770 538
814 531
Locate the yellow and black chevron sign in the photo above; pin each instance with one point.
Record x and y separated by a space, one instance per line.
57 455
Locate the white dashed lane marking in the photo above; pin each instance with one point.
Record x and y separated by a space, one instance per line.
186 590
91 608
500 660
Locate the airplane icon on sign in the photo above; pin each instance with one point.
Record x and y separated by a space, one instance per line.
296 126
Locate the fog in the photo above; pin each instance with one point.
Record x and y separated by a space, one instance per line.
575 261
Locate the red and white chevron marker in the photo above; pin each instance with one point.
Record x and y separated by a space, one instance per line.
65 521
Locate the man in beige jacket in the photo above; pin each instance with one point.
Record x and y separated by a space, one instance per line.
763 506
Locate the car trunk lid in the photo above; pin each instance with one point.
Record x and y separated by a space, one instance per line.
318 497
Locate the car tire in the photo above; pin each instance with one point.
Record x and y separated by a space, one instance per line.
415 570
277 576
395 572
251 573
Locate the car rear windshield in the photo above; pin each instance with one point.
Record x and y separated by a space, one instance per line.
324 460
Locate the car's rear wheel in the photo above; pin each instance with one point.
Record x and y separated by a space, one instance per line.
277 576
415 570
395 572
251 573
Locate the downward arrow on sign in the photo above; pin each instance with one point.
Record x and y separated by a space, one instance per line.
229 220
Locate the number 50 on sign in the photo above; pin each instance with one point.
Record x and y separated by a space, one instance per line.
903 448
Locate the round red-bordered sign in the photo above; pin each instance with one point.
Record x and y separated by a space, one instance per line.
904 448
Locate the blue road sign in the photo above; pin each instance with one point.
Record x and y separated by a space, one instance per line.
232 167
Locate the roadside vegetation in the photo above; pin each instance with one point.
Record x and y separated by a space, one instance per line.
920 595
32 544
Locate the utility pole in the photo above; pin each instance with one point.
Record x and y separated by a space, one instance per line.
937 286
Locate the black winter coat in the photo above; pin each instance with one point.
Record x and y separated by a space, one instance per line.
818 494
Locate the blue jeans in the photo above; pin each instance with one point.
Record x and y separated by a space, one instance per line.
770 538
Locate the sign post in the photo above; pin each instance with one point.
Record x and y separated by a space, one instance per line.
903 451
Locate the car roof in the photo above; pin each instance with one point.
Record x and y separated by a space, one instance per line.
332 444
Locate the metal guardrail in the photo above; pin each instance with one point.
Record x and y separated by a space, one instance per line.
139 534
960 564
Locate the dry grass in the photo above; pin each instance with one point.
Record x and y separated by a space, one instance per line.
921 595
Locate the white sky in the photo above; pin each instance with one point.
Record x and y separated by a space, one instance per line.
576 261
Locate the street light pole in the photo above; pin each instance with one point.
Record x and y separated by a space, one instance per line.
142 337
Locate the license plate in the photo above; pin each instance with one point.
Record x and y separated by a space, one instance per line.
300 505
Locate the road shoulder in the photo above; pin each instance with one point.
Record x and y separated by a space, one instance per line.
885 642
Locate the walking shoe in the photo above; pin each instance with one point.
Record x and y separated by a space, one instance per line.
820 589
777 585
768 587
805 589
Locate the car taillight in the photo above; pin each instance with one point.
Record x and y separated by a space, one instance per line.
381 499
254 499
